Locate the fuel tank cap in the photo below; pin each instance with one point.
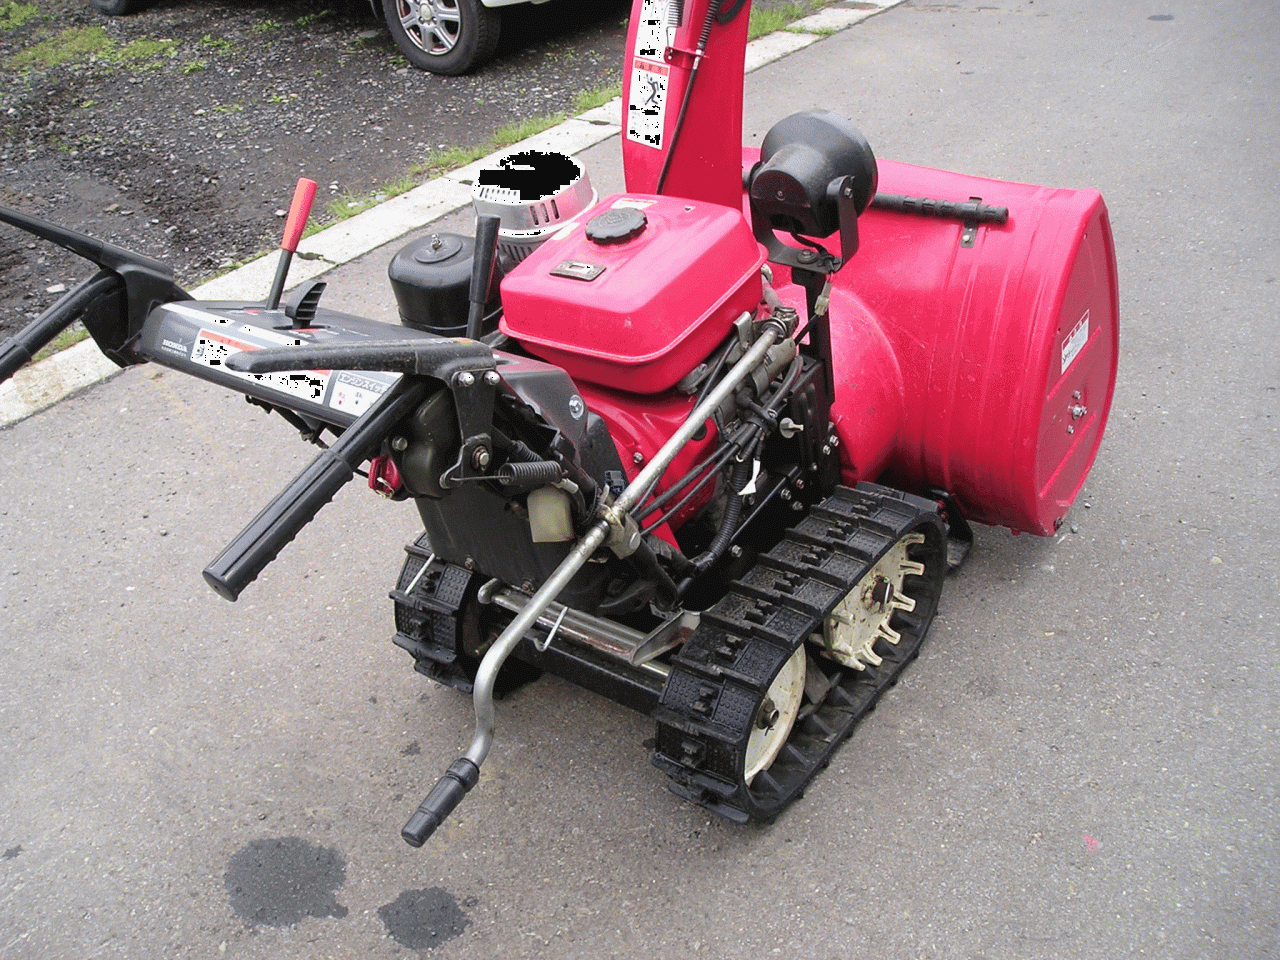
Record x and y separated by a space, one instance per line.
616 226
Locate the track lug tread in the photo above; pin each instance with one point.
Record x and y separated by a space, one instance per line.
744 639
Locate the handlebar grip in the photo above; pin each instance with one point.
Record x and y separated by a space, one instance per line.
280 521
448 792
297 504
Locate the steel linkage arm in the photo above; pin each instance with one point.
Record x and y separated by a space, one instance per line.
614 528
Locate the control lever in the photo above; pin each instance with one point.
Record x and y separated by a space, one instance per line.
299 210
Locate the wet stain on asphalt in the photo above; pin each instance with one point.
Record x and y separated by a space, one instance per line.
276 882
423 919
12 853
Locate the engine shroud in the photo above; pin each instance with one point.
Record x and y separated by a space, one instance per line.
635 313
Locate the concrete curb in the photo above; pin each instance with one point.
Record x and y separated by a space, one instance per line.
39 386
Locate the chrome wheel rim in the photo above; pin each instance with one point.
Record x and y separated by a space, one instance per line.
434 26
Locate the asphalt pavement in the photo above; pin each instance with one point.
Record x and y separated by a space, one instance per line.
1082 764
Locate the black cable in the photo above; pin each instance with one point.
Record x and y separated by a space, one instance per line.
712 12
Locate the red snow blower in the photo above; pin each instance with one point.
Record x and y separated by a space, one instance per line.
707 447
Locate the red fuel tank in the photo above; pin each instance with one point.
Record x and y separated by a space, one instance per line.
639 300
982 365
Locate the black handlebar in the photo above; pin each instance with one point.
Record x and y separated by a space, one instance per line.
17 351
297 504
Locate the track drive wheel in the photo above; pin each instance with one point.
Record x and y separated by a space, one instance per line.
781 670
439 623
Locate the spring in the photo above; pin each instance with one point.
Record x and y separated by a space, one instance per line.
535 473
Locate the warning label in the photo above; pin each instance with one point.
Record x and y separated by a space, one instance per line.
647 103
212 349
1075 341
651 35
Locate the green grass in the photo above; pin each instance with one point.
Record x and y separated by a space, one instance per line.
14 15
219 45
349 205
67 338
148 52
591 99
68 46
313 18
773 19
77 44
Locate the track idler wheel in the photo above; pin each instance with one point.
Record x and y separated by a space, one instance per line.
781 670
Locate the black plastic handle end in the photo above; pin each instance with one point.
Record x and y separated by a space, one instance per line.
13 357
448 792
486 256
239 564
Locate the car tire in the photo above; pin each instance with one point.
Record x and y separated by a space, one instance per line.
443 36
118 8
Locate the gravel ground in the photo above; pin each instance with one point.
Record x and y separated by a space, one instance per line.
183 134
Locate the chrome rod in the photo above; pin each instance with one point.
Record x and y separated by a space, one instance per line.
657 466
464 773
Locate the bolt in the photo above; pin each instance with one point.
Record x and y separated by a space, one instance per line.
769 714
480 457
799 483
1071 428
492 378
637 458
785 493
807 256
826 449
464 379
1078 411
735 551
797 506
399 444
880 592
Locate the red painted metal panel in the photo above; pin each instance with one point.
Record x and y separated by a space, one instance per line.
660 303
1006 349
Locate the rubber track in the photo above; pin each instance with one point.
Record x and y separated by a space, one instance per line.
720 676
428 620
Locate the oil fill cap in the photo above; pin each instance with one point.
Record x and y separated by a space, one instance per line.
616 226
